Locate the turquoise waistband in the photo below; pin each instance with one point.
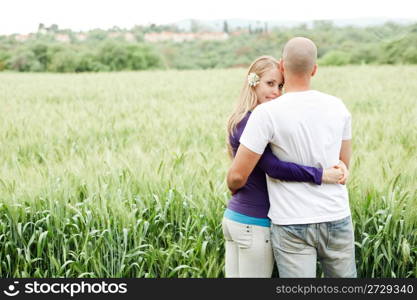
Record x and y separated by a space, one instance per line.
241 218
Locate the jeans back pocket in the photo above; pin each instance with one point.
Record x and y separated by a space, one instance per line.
290 238
340 234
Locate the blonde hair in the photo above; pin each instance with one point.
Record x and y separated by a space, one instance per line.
248 100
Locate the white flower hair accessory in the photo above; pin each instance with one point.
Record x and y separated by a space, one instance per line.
253 79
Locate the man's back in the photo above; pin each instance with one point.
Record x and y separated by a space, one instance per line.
307 128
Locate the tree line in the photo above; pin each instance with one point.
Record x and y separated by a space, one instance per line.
103 51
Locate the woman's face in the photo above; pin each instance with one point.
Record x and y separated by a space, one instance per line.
270 85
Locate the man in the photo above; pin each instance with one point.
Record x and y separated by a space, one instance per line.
309 222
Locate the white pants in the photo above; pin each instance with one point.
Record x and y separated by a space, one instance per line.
248 250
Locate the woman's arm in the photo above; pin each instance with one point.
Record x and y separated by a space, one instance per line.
288 171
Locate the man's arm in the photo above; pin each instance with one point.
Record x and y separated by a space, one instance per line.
345 155
242 165
346 152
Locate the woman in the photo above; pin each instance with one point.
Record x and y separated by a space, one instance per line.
246 227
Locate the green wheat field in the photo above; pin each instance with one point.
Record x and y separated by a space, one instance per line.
123 174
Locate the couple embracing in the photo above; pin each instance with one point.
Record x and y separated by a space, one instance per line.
291 157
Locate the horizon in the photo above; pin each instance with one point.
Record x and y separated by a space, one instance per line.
24 16
349 22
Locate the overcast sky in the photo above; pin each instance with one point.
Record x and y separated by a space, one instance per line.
23 16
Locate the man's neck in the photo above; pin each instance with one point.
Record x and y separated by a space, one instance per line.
296 84
291 88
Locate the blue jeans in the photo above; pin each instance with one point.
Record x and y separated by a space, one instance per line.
297 248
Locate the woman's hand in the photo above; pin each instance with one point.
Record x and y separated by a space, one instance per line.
336 174
332 175
345 170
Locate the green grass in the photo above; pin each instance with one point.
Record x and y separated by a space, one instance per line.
123 174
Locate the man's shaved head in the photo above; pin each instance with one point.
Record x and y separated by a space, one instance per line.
299 56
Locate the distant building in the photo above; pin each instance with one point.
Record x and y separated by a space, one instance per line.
213 36
155 37
240 32
114 35
21 37
130 37
63 38
81 36
127 36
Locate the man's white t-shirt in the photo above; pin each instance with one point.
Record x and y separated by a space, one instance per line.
305 128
